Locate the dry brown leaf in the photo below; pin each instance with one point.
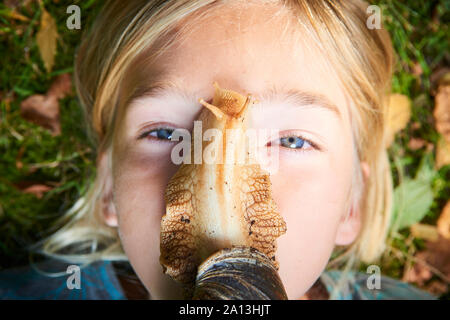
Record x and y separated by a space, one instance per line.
442 153
417 69
419 274
416 125
61 86
424 231
32 187
13 14
416 143
38 190
437 254
46 39
440 76
398 115
441 115
44 110
441 111
434 260
443 223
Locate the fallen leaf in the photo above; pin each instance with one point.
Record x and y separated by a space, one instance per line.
441 111
417 69
441 115
416 143
13 14
424 231
44 109
398 115
416 125
440 76
46 39
433 260
20 30
437 254
442 153
419 273
436 288
443 223
61 86
38 189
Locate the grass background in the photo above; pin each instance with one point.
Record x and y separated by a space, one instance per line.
30 154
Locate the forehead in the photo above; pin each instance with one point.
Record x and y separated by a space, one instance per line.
248 48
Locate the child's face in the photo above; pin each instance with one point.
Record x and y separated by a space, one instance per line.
245 51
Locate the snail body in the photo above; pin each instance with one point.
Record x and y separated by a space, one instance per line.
224 204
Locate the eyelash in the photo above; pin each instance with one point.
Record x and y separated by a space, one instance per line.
146 134
311 144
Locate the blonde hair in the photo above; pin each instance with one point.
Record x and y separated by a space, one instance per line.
127 31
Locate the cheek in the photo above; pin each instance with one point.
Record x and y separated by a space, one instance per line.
139 184
311 196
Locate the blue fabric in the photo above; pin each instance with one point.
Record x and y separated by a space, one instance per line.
356 288
99 282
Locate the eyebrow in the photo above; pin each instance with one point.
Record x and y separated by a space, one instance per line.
295 96
300 98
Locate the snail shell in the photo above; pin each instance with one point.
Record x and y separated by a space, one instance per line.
239 273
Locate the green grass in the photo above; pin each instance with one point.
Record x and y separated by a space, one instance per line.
66 162
419 32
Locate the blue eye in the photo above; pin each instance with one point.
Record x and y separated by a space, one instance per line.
294 142
159 133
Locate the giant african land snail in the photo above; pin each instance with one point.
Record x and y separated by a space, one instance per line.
210 207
